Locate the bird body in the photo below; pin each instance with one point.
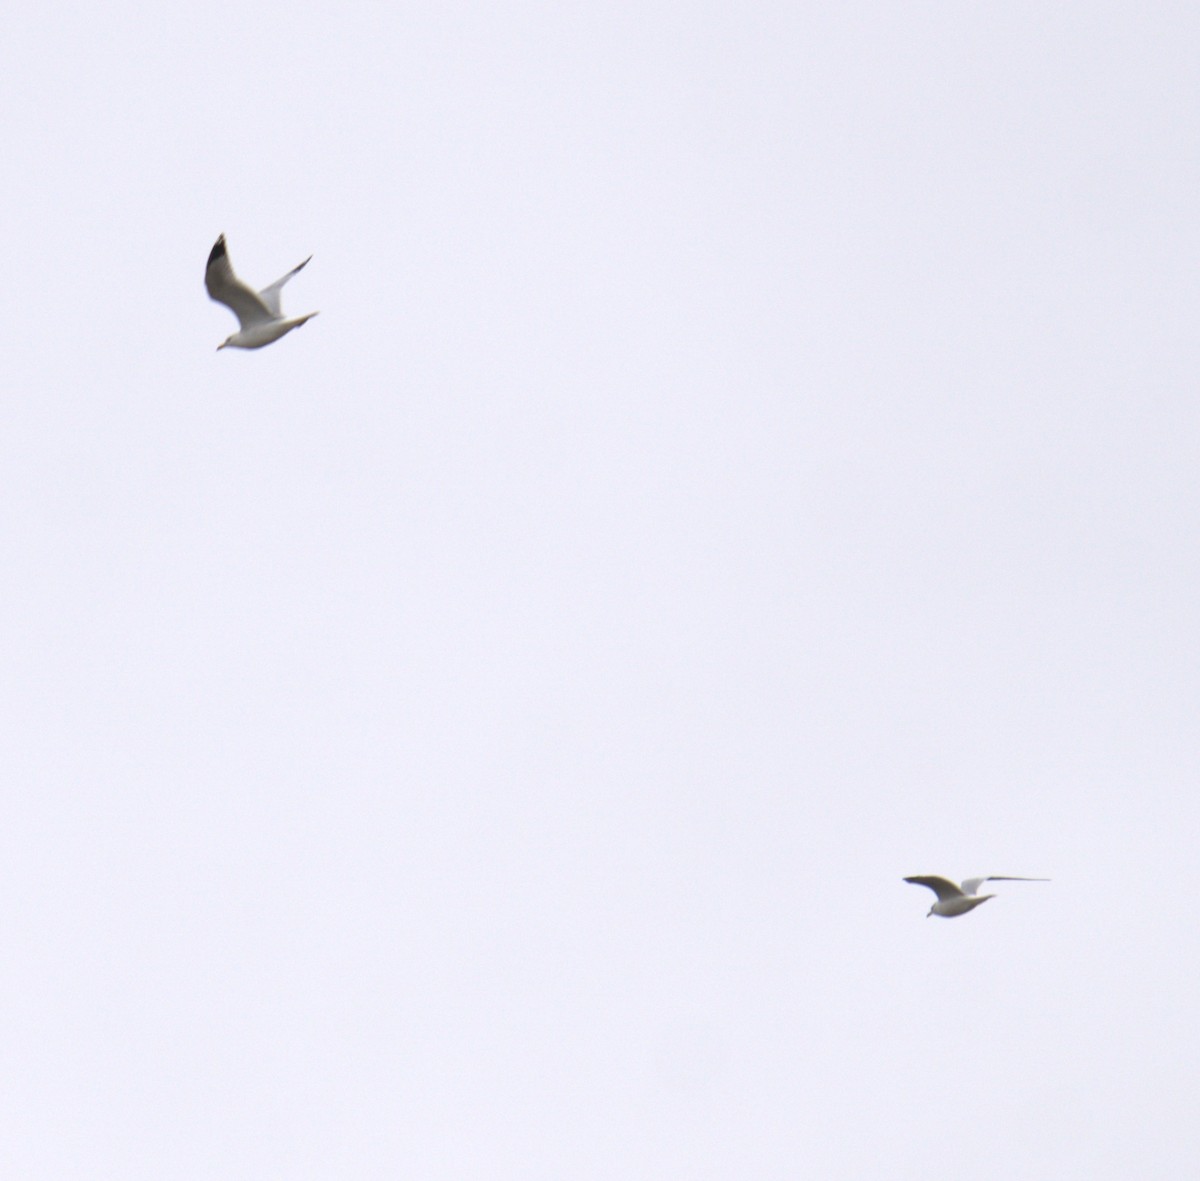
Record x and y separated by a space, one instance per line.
953 900
260 316
257 335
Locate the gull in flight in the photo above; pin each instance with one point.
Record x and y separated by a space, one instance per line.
954 900
260 318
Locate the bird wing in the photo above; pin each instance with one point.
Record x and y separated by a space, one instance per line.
971 885
270 295
942 887
225 287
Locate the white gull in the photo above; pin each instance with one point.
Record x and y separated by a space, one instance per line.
954 900
260 317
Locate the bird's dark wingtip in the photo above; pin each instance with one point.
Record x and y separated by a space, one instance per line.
218 251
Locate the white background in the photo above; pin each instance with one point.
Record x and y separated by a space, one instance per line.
747 454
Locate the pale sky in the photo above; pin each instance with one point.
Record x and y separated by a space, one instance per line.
747 454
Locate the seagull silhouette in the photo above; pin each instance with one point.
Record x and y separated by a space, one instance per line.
260 317
954 900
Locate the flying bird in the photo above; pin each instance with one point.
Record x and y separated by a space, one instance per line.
954 900
260 318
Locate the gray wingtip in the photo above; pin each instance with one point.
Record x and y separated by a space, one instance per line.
218 251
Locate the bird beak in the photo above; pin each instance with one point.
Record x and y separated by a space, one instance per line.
220 347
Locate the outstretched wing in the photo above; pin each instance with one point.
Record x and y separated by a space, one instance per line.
971 885
270 295
225 287
942 887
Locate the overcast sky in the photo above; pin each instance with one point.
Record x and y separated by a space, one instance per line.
747 454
